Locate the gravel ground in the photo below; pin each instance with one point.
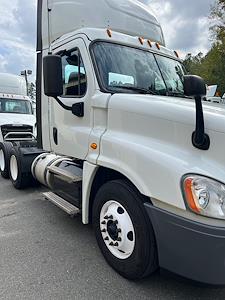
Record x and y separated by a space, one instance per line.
45 254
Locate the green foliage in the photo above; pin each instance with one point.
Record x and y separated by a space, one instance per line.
32 90
218 24
212 66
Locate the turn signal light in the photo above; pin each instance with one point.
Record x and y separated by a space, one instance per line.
189 193
94 146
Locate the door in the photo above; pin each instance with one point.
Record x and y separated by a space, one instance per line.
70 133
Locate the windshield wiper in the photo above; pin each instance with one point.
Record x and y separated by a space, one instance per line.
137 89
177 94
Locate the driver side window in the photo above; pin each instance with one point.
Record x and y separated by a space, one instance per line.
74 75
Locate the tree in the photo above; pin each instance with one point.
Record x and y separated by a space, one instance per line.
217 53
32 91
212 66
218 18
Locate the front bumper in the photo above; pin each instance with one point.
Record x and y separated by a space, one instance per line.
187 248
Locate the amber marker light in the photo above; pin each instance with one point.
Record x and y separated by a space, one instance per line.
109 32
94 146
150 43
141 40
177 54
188 189
158 46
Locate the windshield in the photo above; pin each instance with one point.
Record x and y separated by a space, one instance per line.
126 69
15 106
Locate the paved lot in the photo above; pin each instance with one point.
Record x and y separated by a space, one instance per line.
44 254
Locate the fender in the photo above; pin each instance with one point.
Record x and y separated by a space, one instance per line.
89 171
153 150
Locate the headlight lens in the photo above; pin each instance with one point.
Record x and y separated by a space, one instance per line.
205 196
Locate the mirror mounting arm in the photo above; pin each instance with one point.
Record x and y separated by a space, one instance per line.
200 139
66 107
77 109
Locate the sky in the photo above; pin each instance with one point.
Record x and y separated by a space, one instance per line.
185 25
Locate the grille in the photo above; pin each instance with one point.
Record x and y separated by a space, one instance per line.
20 130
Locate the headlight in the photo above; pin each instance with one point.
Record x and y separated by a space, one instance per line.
204 196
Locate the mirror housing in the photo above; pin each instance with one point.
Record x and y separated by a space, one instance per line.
52 70
194 86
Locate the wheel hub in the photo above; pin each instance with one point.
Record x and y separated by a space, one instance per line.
2 160
117 229
112 230
13 167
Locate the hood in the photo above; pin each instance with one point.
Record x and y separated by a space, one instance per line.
179 110
17 119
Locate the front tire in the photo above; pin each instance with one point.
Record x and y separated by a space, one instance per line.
123 230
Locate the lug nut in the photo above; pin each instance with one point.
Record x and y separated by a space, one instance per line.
116 244
111 244
103 230
119 239
111 217
106 217
103 223
106 239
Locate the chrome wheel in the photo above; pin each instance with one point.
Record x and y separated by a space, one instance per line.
117 229
2 160
13 167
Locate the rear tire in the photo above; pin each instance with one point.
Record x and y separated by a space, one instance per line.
19 178
5 149
123 230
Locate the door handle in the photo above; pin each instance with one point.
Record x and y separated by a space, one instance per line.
55 135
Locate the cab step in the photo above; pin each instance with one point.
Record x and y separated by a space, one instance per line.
69 208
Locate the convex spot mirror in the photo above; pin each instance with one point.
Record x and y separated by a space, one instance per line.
52 68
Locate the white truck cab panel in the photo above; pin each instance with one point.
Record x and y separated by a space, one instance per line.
72 129
131 145
150 143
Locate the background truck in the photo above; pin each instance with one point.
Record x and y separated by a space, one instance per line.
17 121
13 84
124 140
212 95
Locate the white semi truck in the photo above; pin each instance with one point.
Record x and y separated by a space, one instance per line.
212 95
17 121
125 141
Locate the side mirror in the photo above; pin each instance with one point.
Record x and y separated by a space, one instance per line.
52 69
194 86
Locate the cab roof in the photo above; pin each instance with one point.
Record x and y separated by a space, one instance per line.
59 17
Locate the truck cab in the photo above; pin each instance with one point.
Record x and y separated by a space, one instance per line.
16 117
17 120
125 140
